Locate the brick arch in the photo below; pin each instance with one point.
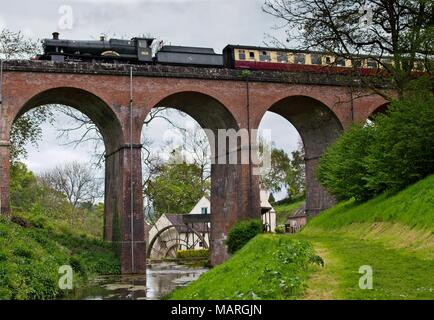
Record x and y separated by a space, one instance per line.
84 101
116 195
318 127
380 109
229 182
205 108
316 123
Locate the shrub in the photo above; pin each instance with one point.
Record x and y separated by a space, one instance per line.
199 253
280 229
241 233
389 154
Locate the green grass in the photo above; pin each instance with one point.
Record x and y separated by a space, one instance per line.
268 267
31 256
394 234
284 211
413 207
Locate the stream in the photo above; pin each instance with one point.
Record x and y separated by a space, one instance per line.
160 279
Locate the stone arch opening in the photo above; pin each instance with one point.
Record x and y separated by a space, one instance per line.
229 182
110 128
381 109
318 127
87 103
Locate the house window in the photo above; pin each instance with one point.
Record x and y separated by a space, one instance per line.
242 55
299 58
282 57
204 210
201 244
252 55
315 59
265 56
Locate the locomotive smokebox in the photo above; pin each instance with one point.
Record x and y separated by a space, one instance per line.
55 35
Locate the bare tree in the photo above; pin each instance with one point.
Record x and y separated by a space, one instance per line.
14 45
396 34
76 181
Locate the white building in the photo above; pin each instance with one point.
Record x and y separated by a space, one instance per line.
176 235
203 206
268 213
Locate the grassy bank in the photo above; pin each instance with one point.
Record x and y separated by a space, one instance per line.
32 249
394 234
268 267
285 210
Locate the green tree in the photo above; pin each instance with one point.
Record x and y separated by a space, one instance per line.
392 152
285 172
24 188
295 180
29 193
276 177
342 169
403 148
176 188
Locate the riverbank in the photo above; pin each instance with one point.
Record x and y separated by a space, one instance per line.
394 235
32 249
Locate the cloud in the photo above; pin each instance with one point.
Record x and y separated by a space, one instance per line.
2 23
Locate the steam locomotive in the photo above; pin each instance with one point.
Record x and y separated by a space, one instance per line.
139 51
134 51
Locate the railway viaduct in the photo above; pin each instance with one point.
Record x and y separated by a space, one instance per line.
320 106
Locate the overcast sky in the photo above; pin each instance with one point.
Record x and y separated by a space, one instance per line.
210 23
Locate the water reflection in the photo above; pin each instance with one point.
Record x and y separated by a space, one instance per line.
160 279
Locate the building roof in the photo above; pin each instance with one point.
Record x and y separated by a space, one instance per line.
180 226
300 212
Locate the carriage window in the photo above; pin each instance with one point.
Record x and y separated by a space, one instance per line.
340 62
299 58
328 60
282 57
242 54
315 59
252 55
265 56
387 62
372 63
357 63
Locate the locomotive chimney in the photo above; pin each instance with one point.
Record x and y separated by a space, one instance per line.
55 35
102 38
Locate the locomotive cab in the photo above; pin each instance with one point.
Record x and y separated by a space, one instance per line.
144 49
